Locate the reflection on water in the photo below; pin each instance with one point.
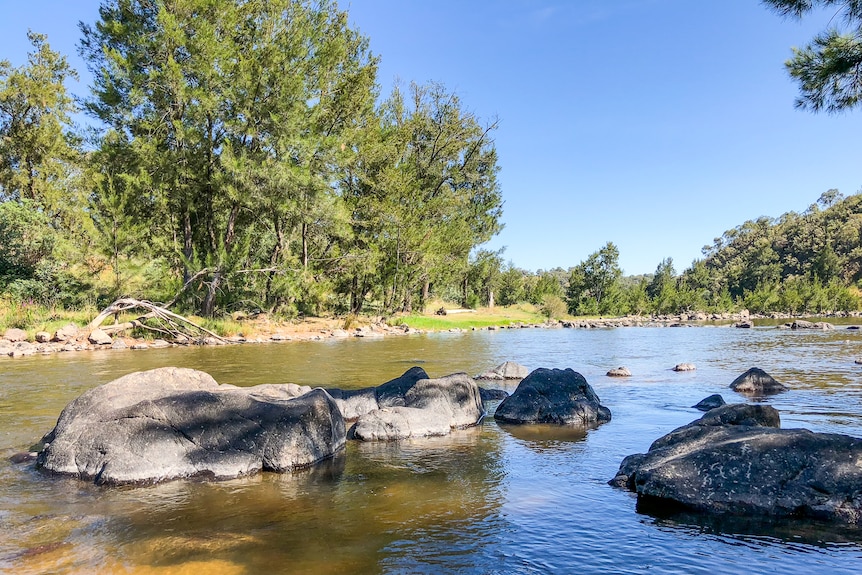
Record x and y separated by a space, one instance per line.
489 499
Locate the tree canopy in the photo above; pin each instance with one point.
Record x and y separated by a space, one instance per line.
829 68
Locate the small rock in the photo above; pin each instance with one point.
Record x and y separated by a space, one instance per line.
620 372
492 394
506 370
65 333
711 402
14 334
119 344
684 367
99 337
755 381
43 337
157 343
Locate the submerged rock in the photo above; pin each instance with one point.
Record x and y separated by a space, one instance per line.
757 382
684 367
736 460
559 396
619 372
506 370
171 423
492 394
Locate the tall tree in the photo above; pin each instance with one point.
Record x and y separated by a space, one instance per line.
828 69
594 283
38 149
238 111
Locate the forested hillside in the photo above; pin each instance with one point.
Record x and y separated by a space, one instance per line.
809 262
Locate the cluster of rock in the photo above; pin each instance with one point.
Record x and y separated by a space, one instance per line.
16 342
171 423
174 423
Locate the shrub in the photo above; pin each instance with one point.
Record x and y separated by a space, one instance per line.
553 306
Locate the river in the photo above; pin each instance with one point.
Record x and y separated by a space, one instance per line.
484 500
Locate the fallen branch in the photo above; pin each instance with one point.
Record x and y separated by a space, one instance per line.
166 322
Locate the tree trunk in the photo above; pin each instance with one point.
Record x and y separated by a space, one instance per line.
426 290
304 245
188 247
208 305
491 299
464 289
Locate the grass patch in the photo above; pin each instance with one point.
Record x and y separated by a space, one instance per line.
33 317
501 316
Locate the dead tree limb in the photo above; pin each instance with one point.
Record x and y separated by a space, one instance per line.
157 319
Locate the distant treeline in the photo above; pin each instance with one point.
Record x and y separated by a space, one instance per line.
798 263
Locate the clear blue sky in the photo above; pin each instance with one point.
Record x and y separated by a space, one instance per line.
654 124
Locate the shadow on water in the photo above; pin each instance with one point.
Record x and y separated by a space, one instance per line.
669 516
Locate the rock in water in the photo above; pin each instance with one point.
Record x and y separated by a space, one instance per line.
493 394
735 460
559 396
428 407
506 370
619 372
170 423
757 382
711 402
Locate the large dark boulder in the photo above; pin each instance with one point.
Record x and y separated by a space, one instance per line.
735 460
171 423
558 396
429 407
757 382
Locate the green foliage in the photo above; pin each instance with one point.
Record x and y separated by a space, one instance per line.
828 68
27 240
37 148
248 153
594 283
553 307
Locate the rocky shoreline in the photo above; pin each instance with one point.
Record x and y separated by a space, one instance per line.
17 343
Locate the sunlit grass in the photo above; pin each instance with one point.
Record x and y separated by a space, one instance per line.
498 316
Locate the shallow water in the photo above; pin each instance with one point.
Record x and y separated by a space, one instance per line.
490 499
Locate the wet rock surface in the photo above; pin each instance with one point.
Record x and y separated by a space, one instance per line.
757 382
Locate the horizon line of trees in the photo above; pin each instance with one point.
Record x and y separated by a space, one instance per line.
796 263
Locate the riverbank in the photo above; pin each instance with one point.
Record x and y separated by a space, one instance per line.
260 329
